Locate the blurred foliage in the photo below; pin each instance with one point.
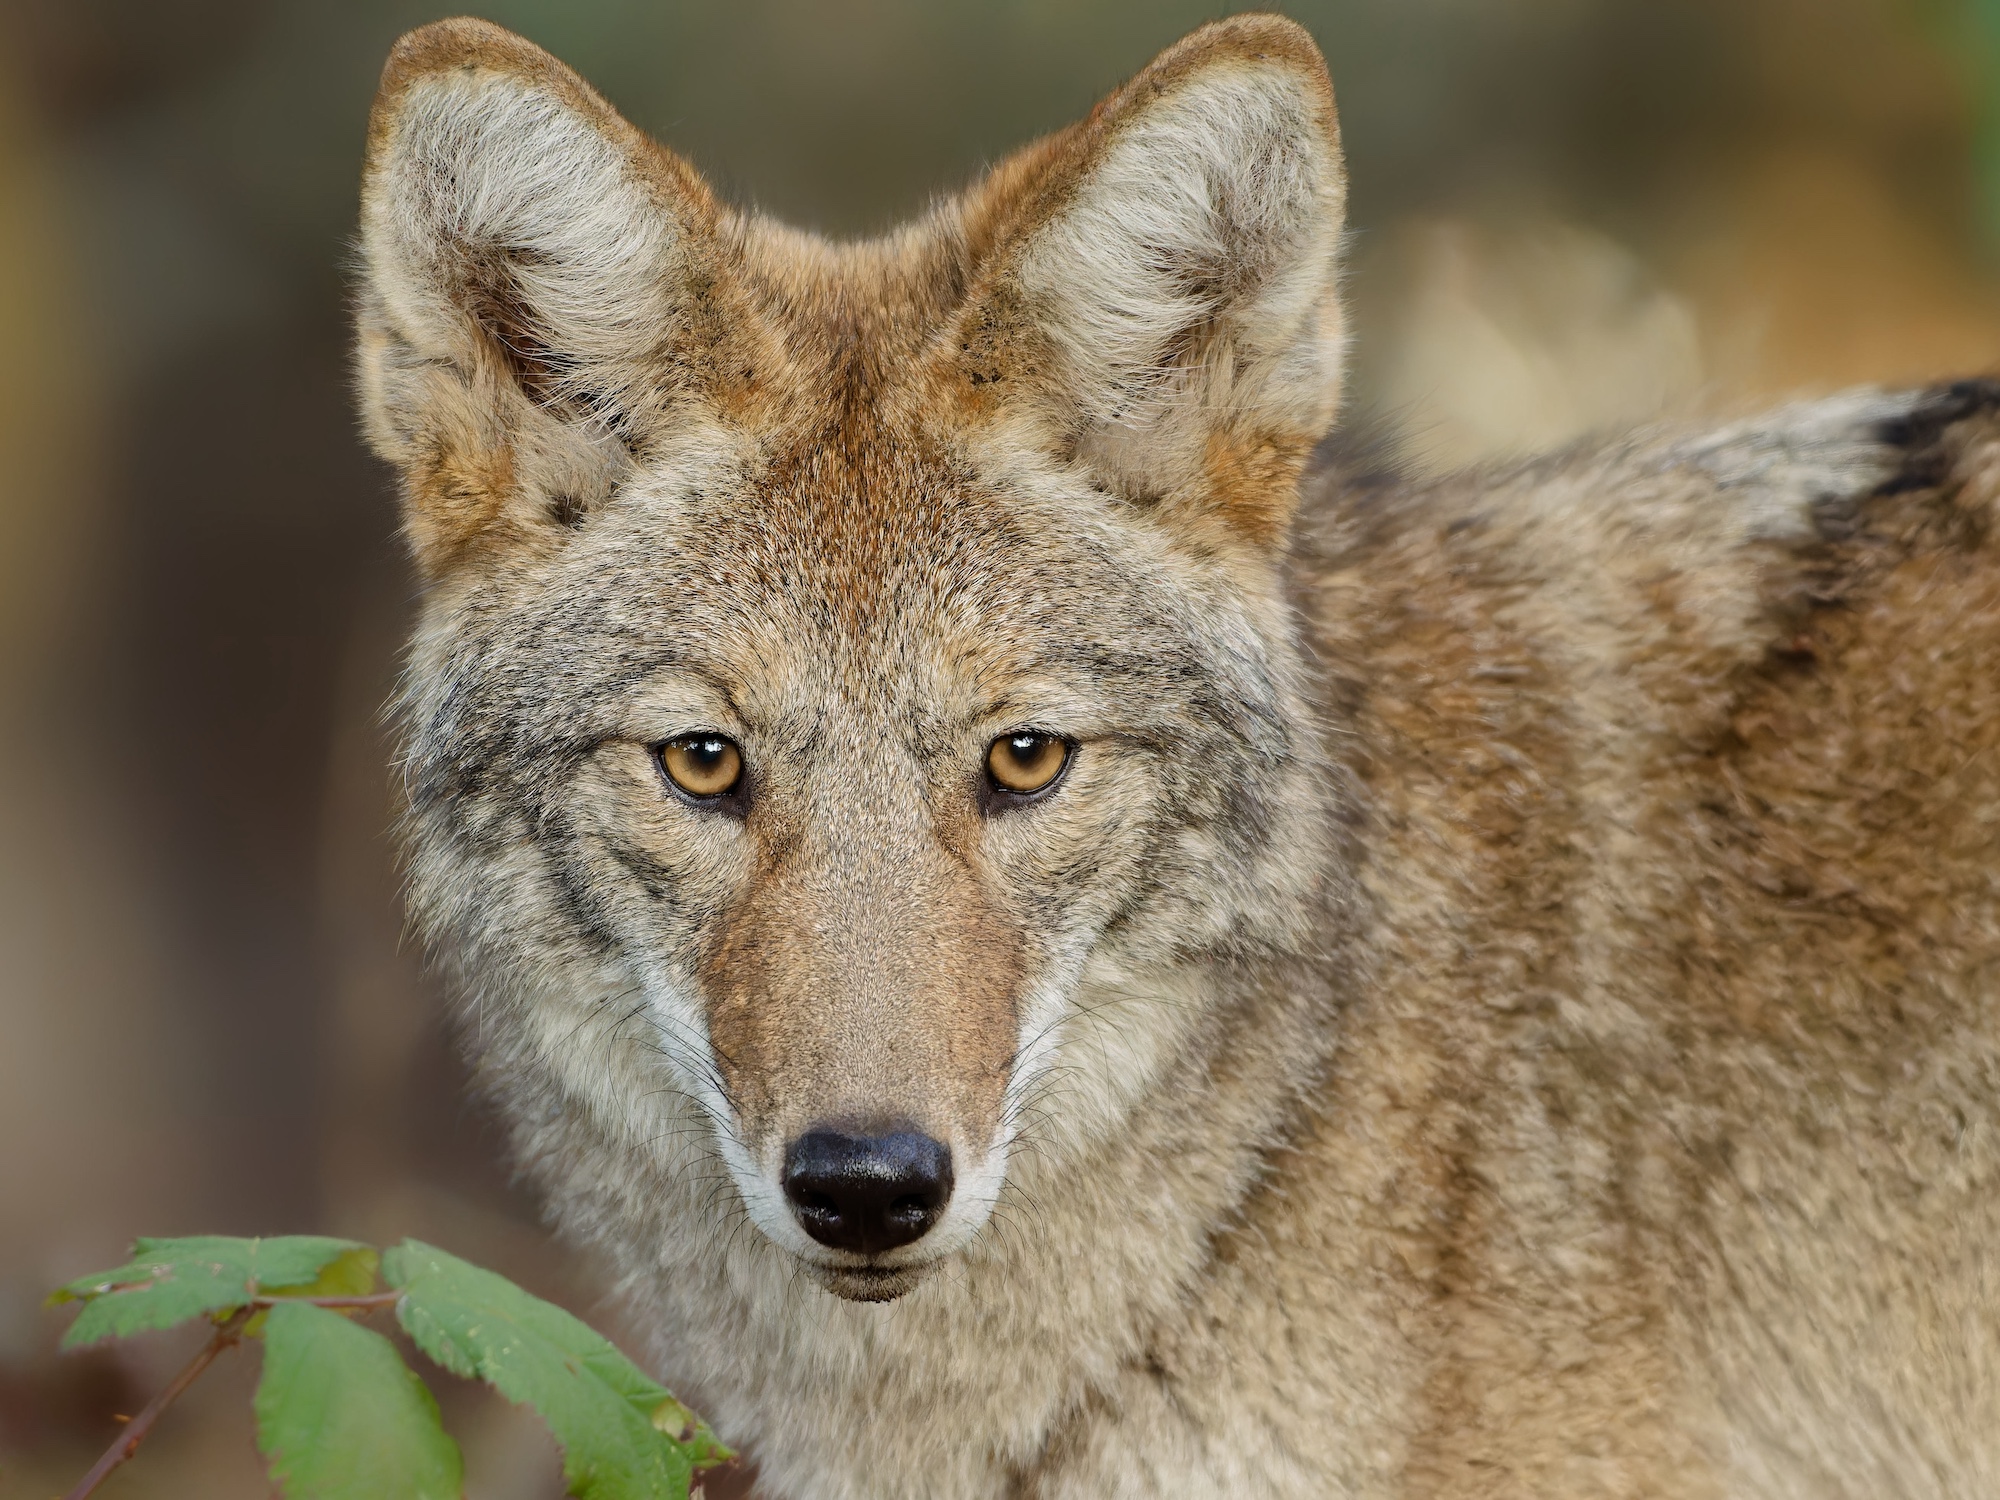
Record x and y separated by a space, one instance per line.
1982 37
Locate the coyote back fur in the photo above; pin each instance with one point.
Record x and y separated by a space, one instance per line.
1498 997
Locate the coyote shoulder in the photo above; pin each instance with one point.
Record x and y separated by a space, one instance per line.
1060 946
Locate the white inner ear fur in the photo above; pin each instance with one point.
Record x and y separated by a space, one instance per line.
1214 217
484 164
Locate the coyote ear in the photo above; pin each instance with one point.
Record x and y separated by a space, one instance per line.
528 309
1161 298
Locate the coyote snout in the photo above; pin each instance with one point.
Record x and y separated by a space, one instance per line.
862 1013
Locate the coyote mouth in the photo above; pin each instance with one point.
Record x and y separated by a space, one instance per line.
867 1283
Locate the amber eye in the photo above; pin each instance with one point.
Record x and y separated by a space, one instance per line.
702 765
1026 762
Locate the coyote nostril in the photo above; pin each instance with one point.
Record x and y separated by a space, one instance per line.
867 1193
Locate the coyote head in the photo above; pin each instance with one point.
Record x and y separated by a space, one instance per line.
848 674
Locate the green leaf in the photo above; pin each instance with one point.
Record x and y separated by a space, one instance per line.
341 1417
169 1281
623 1436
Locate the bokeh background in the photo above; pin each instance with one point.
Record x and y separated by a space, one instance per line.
1569 214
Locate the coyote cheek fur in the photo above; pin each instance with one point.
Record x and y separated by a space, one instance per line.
1490 987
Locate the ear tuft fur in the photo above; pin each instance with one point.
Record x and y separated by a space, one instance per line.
1163 297
549 299
526 256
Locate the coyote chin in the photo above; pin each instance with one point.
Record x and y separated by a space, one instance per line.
1063 949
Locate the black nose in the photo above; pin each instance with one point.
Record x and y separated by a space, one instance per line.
867 1193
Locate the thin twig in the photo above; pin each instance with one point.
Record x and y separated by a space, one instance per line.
368 1301
127 1443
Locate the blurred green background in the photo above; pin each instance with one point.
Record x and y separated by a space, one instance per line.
1568 214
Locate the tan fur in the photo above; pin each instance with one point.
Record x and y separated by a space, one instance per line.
884 998
1503 1002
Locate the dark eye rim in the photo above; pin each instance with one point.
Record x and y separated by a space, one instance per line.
995 798
735 800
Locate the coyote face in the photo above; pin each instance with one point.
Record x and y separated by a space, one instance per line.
846 671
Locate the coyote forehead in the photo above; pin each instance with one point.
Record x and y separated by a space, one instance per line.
837 531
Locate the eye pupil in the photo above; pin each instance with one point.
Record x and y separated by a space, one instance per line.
1026 762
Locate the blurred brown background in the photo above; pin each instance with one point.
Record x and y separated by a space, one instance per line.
1568 213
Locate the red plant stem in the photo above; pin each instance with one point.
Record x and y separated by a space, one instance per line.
368 1301
127 1442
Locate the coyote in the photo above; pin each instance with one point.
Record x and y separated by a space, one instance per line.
1064 939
